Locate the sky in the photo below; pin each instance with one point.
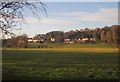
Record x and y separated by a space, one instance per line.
66 16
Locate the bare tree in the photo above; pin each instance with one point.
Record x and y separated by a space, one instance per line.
109 36
103 36
22 41
116 33
96 36
12 12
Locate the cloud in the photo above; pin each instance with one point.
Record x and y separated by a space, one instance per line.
109 15
53 21
102 15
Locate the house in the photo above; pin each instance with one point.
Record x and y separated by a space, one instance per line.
41 40
30 40
85 40
52 39
79 41
92 40
71 42
35 40
66 40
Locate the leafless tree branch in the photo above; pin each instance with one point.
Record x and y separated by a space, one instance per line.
12 12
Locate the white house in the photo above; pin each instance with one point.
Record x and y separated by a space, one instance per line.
52 39
67 40
35 40
30 40
92 39
85 39
79 40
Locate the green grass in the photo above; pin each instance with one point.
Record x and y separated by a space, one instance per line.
40 65
74 45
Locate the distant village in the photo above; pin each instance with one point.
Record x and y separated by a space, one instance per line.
82 36
53 40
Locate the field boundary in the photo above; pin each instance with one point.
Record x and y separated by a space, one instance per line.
68 49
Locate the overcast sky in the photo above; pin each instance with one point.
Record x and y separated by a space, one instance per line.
65 16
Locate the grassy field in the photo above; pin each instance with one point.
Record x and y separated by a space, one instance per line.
74 45
51 64
101 48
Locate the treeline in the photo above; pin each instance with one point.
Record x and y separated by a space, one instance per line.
99 35
107 34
